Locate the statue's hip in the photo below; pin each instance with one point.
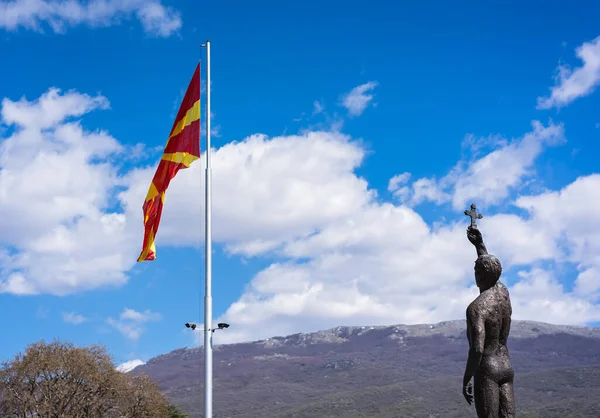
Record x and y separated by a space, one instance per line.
498 367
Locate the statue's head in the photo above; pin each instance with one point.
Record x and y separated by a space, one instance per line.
487 271
473 207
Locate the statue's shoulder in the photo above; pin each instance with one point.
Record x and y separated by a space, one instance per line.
482 306
476 306
502 288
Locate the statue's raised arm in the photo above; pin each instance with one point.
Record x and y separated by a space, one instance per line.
475 238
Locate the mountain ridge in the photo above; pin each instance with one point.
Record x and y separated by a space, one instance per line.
384 372
451 328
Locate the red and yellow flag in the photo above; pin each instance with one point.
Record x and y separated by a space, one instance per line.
182 148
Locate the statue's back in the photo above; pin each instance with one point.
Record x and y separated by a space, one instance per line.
506 311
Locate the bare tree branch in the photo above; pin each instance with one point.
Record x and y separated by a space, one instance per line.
59 379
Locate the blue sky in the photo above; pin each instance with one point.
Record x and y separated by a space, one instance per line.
348 140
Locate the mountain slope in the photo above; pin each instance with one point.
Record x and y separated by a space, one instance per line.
396 371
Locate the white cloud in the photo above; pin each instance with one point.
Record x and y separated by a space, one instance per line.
539 291
56 183
359 98
426 189
73 318
131 323
343 256
572 84
139 317
398 181
399 188
384 265
61 233
490 178
266 191
571 216
156 19
129 365
50 109
588 283
317 108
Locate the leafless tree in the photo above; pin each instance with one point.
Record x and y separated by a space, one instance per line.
60 380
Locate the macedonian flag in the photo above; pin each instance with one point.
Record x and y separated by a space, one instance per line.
182 148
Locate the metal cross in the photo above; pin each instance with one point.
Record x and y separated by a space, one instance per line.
473 215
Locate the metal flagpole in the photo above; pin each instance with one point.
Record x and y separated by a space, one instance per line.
208 332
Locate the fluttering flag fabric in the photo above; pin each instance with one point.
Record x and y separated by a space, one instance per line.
182 148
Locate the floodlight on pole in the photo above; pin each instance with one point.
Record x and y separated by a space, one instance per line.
220 326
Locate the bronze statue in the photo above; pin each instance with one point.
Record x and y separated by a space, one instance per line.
488 326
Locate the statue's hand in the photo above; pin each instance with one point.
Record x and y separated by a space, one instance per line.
468 392
474 236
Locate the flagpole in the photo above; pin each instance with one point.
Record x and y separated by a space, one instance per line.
208 332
